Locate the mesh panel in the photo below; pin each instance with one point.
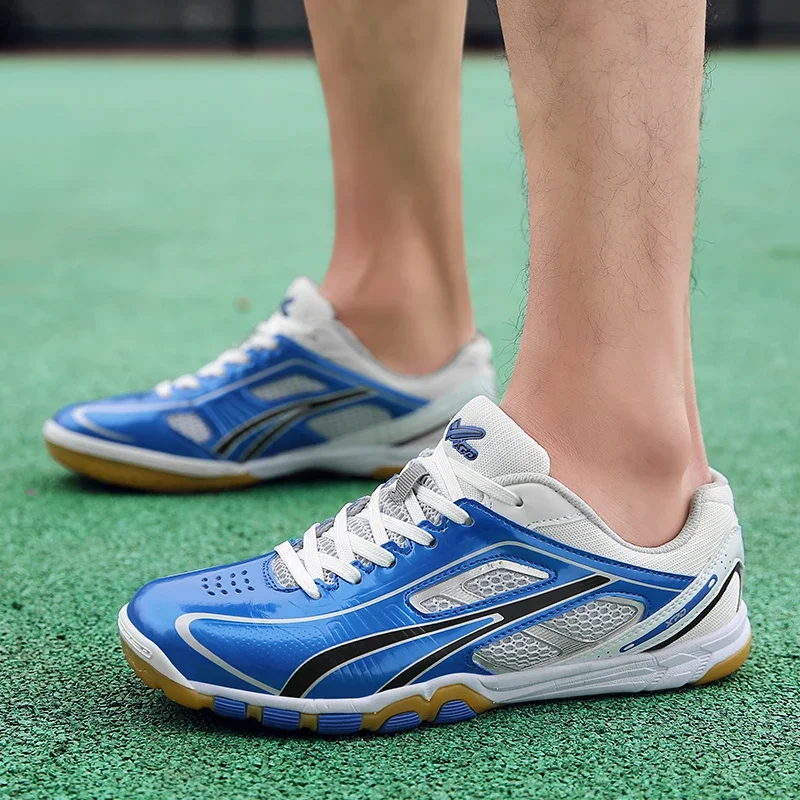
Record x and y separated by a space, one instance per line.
498 581
516 652
702 535
281 573
348 420
287 387
191 426
593 620
439 603
359 525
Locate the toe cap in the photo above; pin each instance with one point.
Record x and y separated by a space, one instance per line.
138 421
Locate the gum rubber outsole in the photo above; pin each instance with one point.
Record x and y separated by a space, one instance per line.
448 704
133 476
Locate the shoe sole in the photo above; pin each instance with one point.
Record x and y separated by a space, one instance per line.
138 468
697 663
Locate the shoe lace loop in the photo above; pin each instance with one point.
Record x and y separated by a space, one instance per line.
263 337
308 563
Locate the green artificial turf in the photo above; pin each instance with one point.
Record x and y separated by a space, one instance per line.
143 203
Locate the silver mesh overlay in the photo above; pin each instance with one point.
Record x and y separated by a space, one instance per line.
287 387
191 426
281 573
565 635
348 420
438 602
477 583
592 621
520 650
360 527
498 581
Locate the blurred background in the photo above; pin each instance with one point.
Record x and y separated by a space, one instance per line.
248 24
160 187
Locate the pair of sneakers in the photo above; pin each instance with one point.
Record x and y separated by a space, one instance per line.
469 580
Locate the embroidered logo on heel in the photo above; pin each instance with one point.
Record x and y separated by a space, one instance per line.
459 436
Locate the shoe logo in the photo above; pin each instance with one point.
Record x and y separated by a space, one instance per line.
287 301
460 435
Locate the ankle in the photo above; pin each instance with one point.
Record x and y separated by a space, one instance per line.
637 471
413 317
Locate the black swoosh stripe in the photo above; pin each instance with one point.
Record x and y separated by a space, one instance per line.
310 671
263 440
524 608
737 570
234 438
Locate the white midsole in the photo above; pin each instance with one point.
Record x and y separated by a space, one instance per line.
349 459
669 668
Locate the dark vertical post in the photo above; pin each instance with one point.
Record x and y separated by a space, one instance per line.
748 21
244 24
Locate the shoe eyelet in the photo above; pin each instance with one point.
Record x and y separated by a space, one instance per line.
469 523
520 502
432 543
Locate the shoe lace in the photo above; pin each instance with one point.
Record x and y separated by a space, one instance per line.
308 563
263 337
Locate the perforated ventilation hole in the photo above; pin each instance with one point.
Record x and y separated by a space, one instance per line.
498 581
191 426
230 582
593 620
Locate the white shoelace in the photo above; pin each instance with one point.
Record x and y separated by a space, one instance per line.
263 337
308 564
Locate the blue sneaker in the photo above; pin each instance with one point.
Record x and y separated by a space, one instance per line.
471 580
301 392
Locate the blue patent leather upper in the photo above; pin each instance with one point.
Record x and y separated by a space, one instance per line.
236 626
241 425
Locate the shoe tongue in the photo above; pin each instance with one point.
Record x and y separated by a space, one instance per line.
481 436
487 440
304 302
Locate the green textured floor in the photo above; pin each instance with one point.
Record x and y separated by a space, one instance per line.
140 202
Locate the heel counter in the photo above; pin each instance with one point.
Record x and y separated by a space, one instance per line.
725 604
722 608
